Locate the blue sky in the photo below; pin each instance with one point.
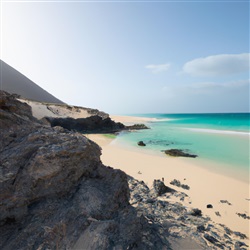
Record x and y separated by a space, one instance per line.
133 57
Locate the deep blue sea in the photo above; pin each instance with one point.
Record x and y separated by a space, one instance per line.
221 138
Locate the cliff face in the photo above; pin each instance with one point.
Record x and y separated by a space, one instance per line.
54 188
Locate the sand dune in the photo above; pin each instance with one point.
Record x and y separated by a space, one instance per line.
15 82
41 109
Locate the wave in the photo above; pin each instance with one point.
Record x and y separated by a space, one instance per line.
216 131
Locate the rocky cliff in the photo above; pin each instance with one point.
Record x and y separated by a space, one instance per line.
55 189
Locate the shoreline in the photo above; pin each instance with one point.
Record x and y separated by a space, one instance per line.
208 164
227 168
206 186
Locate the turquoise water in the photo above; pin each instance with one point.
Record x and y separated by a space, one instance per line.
222 138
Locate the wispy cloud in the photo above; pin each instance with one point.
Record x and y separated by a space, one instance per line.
218 65
157 68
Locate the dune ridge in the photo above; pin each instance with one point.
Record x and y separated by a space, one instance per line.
15 82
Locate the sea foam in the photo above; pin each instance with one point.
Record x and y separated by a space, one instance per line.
217 131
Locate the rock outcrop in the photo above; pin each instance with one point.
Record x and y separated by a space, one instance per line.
178 184
141 143
179 153
92 124
136 127
56 193
97 122
182 227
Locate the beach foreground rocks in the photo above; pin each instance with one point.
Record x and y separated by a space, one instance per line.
57 194
55 191
182 227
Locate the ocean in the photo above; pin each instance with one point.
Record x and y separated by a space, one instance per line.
217 138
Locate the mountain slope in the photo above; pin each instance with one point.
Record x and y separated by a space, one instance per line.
15 82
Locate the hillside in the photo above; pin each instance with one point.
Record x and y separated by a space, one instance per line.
15 82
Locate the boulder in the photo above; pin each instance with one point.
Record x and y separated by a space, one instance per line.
136 127
141 143
209 206
161 189
179 153
244 216
178 184
196 212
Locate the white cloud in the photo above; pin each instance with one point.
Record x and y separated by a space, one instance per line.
218 65
157 68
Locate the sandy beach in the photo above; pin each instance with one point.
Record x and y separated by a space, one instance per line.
206 186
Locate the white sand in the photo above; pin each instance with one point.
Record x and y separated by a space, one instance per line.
40 110
206 187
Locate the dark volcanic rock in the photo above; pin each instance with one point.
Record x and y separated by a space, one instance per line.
244 216
225 202
209 206
136 127
178 184
141 143
174 223
54 189
196 212
92 124
160 188
178 153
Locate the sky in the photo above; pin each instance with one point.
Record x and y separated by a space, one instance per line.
131 57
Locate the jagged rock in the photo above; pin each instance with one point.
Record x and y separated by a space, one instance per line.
175 183
226 202
184 186
196 212
210 238
214 241
174 223
94 112
160 188
92 124
178 184
240 244
240 235
244 216
179 153
201 228
141 143
136 127
54 189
